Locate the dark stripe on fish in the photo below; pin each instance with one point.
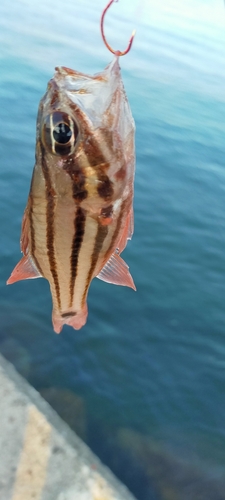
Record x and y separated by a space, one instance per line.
100 163
78 178
99 240
95 158
50 212
105 186
68 315
79 191
29 214
79 227
32 235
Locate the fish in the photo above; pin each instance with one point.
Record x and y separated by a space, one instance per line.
79 214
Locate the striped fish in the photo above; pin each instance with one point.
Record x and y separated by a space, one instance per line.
79 214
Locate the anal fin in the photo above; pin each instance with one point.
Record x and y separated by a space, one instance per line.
25 269
116 271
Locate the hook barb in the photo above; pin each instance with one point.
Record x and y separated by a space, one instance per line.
116 52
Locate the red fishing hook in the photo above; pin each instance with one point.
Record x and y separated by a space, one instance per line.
116 52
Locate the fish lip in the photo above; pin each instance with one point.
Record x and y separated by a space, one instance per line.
112 67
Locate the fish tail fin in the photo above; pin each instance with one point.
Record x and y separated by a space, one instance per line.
71 318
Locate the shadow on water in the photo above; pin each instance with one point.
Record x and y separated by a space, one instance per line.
150 469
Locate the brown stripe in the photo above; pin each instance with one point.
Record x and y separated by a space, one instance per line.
79 190
32 234
99 240
50 212
100 163
78 177
96 159
105 187
68 315
79 227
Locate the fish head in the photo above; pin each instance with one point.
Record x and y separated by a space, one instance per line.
85 128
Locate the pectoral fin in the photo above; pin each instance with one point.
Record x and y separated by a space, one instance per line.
116 271
25 269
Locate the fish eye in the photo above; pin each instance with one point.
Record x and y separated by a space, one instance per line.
59 133
62 133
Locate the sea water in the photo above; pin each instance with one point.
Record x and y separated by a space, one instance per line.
146 375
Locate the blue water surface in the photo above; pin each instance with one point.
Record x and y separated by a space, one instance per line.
149 366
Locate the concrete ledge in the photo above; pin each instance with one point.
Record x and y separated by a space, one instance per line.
41 458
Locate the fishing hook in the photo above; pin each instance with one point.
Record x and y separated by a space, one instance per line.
116 52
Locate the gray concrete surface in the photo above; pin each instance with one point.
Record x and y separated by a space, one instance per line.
40 457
